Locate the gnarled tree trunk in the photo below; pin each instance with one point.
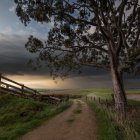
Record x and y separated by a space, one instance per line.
118 87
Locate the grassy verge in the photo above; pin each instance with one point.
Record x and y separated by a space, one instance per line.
134 103
106 92
106 129
99 92
109 127
114 127
18 116
135 114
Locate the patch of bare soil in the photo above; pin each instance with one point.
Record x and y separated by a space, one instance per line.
76 123
134 97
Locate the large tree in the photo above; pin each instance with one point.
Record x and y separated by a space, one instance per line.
97 33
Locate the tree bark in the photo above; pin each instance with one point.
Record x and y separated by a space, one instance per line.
118 87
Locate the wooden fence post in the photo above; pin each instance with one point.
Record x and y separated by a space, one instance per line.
7 86
22 89
0 79
0 82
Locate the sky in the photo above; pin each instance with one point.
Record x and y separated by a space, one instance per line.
14 57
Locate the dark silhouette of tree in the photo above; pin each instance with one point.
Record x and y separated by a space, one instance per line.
98 33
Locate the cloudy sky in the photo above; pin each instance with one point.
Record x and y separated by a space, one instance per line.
14 57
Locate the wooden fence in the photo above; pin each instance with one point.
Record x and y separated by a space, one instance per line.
12 87
102 101
8 85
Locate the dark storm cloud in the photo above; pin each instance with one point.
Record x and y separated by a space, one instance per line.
87 71
14 58
13 55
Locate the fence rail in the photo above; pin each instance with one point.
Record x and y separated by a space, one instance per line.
13 86
9 86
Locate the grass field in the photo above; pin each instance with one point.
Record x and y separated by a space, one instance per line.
110 130
99 92
19 116
136 114
106 128
133 91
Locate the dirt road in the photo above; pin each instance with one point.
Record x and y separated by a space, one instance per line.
134 97
76 123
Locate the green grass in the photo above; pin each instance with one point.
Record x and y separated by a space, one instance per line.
106 92
19 116
136 114
99 92
113 127
84 92
81 92
103 92
110 129
106 131
133 91
134 103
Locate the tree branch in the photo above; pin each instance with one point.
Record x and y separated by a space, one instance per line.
107 67
58 49
79 48
93 47
81 20
133 18
137 38
121 10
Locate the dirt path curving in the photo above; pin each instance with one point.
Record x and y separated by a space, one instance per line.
76 123
134 97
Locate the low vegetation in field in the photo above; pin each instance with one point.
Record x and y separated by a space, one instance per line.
110 126
133 91
135 113
19 116
98 92
113 126
104 92
82 92
106 129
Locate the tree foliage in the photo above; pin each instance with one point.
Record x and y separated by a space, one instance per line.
82 33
